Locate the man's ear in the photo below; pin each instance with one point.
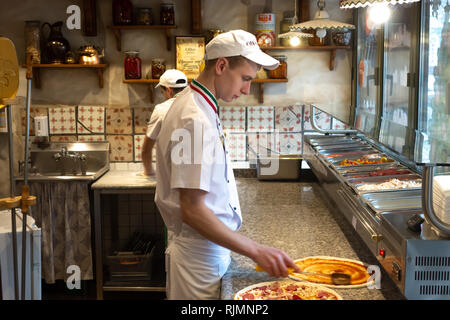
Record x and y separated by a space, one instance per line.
221 65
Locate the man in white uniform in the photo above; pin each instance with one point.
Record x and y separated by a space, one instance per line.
196 191
171 82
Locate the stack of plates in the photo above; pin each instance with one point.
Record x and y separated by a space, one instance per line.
441 197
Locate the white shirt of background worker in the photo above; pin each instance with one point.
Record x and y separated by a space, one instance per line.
195 190
171 82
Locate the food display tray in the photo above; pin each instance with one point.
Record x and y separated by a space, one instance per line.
393 201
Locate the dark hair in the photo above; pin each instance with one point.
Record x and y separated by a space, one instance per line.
175 90
234 62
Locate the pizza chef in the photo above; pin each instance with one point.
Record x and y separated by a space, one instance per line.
196 190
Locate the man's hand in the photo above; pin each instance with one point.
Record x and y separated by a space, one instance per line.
274 261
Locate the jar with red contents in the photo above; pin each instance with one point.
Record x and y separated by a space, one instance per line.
132 65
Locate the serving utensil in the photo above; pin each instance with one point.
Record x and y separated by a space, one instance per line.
337 278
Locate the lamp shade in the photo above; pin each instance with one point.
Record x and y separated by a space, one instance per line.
349 4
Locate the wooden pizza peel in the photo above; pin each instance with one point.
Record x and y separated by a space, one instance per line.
9 84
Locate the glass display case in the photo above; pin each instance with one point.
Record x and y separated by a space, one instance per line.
433 130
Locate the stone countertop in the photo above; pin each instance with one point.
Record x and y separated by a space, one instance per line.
291 216
124 179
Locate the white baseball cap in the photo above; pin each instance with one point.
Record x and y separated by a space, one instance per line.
173 78
239 43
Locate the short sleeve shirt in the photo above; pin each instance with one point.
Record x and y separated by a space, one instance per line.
191 153
158 114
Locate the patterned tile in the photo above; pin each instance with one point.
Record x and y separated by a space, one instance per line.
118 120
307 125
34 112
141 118
260 119
63 139
232 118
62 120
236 143
339 125
138 141
288 119
290 143
91 137
259 142
121 148
323 120
91 119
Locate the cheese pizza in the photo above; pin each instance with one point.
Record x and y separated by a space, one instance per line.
286 290
329 265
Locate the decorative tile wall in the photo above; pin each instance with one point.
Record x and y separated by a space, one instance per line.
121 148
118 121
91 119
62 120
260 119
233 119
138 141
261 127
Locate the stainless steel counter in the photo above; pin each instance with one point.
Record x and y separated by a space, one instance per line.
293 217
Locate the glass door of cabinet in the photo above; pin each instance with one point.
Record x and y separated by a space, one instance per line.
398 114
367 75
434 99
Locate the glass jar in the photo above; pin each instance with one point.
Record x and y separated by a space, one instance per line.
145 16
284 27
158 68
167 14
122 12
281 71
32 40
132 65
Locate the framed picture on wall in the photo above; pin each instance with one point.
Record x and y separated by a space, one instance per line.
190 53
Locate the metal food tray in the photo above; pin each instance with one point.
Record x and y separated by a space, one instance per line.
350 145
399 200
332 140
349 153
355 174
344 170
383 165
355 157
375 179
355 187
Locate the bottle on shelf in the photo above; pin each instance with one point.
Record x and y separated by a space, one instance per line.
132 65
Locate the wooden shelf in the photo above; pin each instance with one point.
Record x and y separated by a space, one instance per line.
117 30
152 82
332 50
37 67
261 83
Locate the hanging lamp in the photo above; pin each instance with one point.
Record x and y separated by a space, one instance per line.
292 34
321 23
350 4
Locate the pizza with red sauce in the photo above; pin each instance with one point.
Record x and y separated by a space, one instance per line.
286 290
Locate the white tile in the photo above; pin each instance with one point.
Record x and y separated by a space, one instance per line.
91 119
260 119
62 120
232 118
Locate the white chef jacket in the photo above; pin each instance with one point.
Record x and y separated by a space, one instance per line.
191 153
158 114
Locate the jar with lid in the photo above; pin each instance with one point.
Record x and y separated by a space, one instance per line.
158 68
145 16
132 65
287 21
167 14
32 40
281 71
122 12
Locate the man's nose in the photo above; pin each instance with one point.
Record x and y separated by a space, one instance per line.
246 88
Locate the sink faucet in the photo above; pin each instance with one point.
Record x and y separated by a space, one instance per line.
74 157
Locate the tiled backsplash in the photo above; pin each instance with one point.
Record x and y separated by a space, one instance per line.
275 128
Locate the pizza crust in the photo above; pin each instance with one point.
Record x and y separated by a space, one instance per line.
328 265
286 290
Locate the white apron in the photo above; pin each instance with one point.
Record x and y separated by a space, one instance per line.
194 269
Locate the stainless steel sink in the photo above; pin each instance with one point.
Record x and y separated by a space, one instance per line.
67 161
